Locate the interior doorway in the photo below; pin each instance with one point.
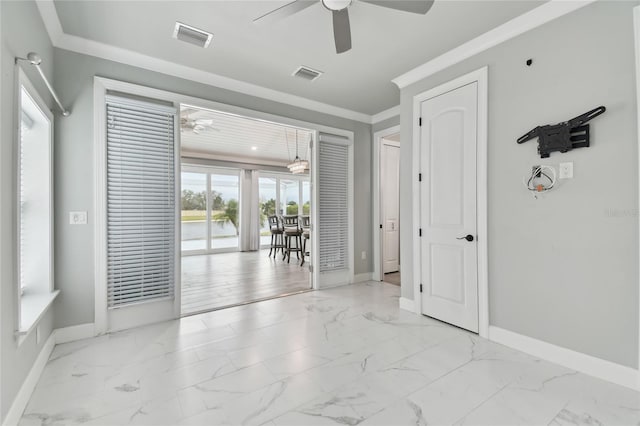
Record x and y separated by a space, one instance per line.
450 157
387 206
245 216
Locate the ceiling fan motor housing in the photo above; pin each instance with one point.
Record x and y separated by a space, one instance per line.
336 4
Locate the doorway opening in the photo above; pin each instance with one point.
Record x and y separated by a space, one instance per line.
245 217
387 206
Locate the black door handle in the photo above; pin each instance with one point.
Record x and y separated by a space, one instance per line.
468 238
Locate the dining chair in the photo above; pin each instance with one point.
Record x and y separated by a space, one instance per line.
306 233
277 235
292 232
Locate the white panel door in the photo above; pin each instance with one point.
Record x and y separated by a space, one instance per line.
448 139
390 184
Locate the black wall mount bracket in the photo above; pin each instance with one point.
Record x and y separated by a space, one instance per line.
565 136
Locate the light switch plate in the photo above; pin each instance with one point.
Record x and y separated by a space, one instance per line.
78 218
566 170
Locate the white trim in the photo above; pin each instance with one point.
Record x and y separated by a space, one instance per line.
377 204
407 304
26 390
22 81
361 278
112 53
99 207
597 367
138 314
73 333
481 77
101 85
534 18
387 113
636 33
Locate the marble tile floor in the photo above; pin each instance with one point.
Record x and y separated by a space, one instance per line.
344 356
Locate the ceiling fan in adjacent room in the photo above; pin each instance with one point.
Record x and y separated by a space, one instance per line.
340 12
196 125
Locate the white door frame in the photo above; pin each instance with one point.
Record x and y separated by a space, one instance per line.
101 86
378 251
481 77
636 33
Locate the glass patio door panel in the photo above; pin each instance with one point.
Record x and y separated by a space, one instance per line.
225 209
267 190
194 211
289 196
306 197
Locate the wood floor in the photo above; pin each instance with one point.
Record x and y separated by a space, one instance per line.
392 278
217 280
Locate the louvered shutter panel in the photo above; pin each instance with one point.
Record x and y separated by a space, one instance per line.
140 201
333 193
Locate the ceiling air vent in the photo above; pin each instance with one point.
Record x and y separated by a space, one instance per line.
306 73
192 35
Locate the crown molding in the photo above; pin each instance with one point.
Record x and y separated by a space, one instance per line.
387 113
112 53
534 18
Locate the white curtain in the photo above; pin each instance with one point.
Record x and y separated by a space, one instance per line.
249 211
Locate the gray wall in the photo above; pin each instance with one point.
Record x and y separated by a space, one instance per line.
22 32
385 124
564 268
73 79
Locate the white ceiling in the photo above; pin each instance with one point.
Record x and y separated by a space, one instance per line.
233 137
386 43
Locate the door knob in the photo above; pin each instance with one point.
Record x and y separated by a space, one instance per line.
468 238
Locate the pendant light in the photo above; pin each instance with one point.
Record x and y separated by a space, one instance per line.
298 166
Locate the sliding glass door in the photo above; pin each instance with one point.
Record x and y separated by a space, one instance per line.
194 211
290 193
210 210
225 208
268 194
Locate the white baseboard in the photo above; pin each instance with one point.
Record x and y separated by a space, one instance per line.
73 333
407 304
24 394
360 278
597 367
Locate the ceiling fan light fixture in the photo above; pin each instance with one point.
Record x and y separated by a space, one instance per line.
336 4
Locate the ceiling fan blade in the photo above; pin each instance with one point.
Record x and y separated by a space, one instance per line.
186 111
284 11
412 6
204 121
341 30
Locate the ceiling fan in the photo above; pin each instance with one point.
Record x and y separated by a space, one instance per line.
340 12
196 125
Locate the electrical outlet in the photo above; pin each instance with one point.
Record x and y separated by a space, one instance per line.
566 170
364 255
78 218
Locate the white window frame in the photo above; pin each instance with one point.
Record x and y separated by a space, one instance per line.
30 309
278 176
208 171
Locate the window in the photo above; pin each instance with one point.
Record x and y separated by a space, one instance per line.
285 191
225 209
306 198
289 196
35 206
267 199
210 209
